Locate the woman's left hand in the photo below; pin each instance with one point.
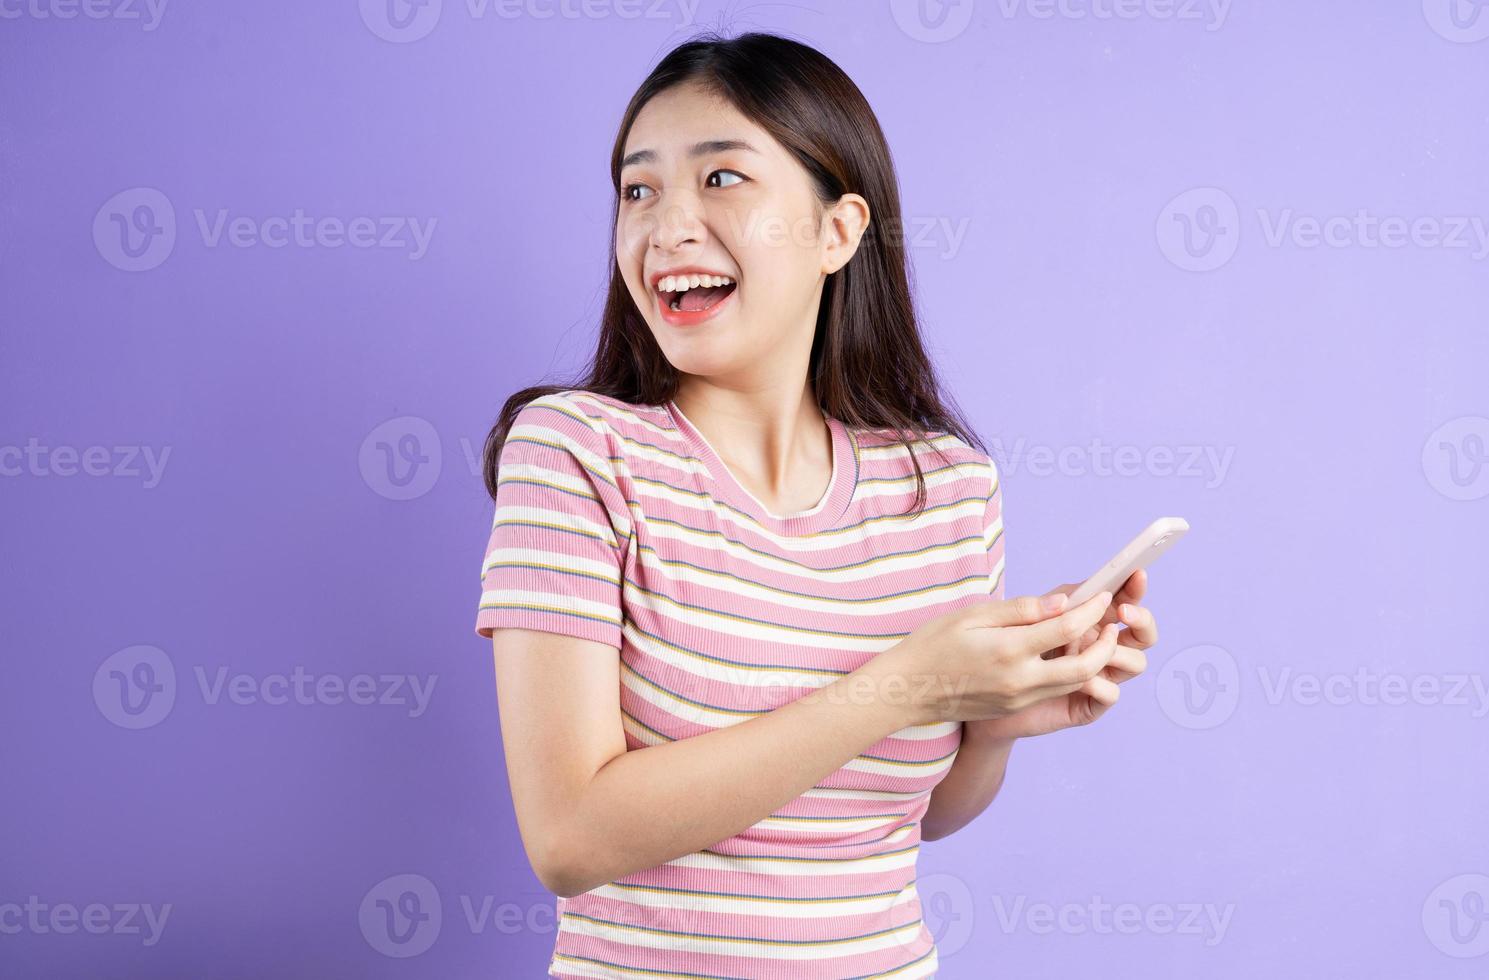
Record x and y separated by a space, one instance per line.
1142 629
1090 702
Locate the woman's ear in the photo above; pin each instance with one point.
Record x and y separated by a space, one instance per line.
846 221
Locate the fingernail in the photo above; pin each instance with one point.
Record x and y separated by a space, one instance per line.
1054 600
1125 610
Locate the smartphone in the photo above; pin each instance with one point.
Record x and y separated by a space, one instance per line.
1140 552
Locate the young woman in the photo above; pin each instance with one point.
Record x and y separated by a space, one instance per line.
745 579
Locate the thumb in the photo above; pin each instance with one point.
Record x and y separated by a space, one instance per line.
1022 610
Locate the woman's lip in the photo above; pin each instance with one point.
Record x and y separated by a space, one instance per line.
691 318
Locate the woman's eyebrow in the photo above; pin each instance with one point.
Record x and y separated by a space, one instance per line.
701 149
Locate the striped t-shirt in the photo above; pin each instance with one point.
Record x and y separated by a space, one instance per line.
618 522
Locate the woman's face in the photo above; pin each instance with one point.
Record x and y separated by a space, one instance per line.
705 189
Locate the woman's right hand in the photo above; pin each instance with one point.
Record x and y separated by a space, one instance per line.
984 661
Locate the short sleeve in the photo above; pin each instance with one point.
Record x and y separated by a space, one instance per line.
555 558
992 531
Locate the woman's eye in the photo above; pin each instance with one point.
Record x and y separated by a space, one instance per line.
628 188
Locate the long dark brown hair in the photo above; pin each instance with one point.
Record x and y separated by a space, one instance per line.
868 363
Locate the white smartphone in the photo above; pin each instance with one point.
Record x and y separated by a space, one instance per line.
1140 552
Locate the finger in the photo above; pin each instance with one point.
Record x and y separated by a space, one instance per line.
1134 588
1074 646
1067 674
1018 611
1097 710
1060 630
1141 625
1102 690
1131 591
1126 663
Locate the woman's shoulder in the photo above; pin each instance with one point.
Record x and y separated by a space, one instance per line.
933 444
955 470
617 429
611 415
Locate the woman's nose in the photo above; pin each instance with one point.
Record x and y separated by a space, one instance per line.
675 222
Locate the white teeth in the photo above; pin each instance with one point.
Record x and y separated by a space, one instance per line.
677 284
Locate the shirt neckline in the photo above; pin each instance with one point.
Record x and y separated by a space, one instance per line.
822 514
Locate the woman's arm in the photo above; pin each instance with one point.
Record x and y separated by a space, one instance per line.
591 812
969 786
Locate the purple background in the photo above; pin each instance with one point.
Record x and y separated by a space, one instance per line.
1044 162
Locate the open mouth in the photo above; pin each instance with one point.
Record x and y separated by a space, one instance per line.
696 299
